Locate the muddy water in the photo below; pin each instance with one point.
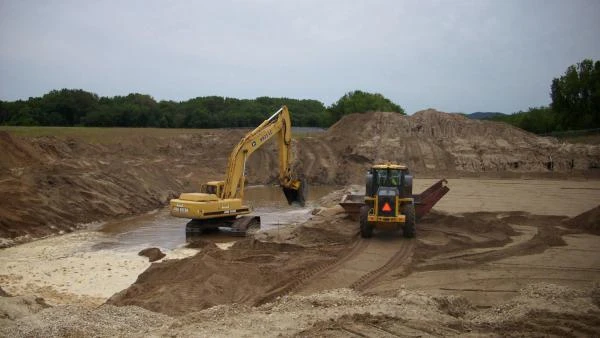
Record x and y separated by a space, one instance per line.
160 229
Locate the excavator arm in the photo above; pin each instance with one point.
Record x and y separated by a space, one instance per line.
278 125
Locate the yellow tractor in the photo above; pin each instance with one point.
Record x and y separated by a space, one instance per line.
220 203
389 202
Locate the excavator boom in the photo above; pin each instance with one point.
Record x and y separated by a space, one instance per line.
278 125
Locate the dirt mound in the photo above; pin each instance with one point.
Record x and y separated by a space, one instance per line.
588 221
153 254
538 310
199 243
432 142
542 309
246 273
79 321
54 184
327 226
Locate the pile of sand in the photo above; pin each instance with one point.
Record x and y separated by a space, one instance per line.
436 143
588 221
247 273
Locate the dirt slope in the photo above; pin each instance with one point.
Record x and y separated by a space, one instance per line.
588 221
436 143
50 184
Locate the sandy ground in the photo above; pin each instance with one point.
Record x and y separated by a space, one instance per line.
68 269
539 197
507 266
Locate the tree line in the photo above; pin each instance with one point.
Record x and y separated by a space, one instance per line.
575 103
77 107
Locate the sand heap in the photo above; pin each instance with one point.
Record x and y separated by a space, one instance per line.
51 184
438 143
250 272
588 221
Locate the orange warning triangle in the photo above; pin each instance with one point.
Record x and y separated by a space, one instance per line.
386 207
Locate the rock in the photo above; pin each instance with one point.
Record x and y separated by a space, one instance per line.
3 293
153 254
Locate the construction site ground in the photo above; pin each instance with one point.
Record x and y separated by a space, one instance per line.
515 253
485 271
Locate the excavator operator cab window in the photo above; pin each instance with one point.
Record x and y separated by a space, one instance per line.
209 189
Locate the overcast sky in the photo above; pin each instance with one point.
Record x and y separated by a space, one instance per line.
455 56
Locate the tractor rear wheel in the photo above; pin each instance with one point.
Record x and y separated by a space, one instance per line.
409 228
366 229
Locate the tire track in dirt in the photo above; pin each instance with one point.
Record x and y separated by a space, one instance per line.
376 257
357 247
400 258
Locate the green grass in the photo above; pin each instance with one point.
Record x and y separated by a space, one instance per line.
96 135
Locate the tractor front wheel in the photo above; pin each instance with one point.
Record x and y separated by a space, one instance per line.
366 229
409 228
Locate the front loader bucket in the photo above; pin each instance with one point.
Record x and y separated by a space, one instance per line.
428 198
294 195
352 204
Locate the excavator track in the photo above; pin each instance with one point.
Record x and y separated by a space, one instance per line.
234 226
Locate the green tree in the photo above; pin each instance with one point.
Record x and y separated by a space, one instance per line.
360 102
66 106
576 96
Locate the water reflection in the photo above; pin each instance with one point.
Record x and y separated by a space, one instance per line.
159 229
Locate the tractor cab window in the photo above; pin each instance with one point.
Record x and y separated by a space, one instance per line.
388 177
395 177
382 177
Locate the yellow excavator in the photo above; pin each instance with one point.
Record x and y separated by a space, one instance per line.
220 203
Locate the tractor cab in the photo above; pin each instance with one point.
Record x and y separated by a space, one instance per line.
389 176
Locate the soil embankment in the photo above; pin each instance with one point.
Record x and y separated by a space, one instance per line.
51 184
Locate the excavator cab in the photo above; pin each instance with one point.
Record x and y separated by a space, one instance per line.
213 187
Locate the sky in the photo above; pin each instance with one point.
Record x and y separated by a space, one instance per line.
451 55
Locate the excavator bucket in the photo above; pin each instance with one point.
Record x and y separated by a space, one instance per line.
296 193
428 198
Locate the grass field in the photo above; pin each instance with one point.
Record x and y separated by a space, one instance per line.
586 139
112 135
